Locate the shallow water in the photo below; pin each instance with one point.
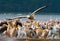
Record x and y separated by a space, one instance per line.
37 17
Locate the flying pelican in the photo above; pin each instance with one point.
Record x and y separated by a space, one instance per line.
31 16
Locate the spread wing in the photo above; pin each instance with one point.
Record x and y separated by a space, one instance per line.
33 13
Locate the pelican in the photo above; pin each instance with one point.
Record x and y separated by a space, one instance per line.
31 16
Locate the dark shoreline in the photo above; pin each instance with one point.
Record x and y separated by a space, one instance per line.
29 39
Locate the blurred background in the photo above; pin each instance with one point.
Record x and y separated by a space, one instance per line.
20 6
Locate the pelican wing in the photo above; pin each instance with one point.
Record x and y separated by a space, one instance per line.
33 13
19 17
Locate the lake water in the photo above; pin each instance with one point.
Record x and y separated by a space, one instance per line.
37 17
